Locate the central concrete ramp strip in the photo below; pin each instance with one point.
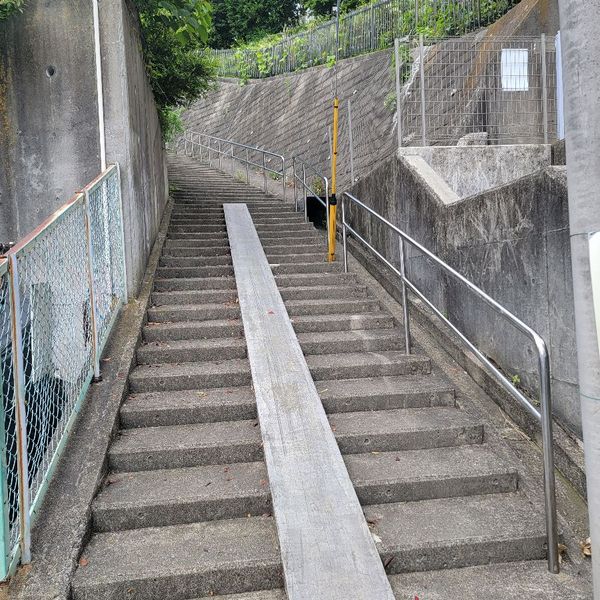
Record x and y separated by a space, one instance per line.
326 546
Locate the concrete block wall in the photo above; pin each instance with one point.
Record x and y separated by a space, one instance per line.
512 241
49 137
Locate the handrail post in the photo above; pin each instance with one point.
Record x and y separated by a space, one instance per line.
264 168
283 177
91 285
548 455
544 88
247 166
220 156
20 414
305 194
405 313
344 235
295 183
327 207
232 162
422 79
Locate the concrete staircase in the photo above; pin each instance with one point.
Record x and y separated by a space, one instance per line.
185 511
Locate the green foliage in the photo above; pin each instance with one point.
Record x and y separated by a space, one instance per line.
170 122
10 7
240 22
179 68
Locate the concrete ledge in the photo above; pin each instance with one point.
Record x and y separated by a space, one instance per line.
63 526
568 452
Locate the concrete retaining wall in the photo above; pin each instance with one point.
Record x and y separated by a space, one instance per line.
49 139
512 241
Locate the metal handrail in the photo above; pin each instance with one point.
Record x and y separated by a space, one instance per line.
544 416
306 188
206 141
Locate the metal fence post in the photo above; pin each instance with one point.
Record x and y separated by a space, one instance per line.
91 284
220 155
20 414
405 313
544 88
305 194
247 165
283 179
123 246
560 99
351 142
422 76
398 100
344 234
295 183
232 163
264 168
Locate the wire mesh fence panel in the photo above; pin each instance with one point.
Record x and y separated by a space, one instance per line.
365 29
107 251
501 91
9 479
56 329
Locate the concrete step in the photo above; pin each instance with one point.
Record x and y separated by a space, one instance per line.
404 429
328 306
185 351
221 243
170 377
180 562
194 297
383 393
230 295
187 272
207 252
366 364
314 279
158 409
194 283
308 267
177 496
511 581
342 322
196 444
457 532
275 249
193 312
196 260
290 234
193 330
302 239
179 446
153 409
366 340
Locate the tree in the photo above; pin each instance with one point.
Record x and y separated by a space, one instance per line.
325 8
174 39
239 21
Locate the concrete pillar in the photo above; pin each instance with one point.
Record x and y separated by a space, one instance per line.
580 23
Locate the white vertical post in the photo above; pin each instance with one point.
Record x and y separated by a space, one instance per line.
122 232
422 76
560 98
398 99
351 142
99 87
544 88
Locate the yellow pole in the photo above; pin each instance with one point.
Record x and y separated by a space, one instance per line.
332 198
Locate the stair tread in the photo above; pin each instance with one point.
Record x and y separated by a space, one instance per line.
150 561
204 367
365 358
406 526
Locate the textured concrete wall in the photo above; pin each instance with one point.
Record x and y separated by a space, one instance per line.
49 139
470 170
512 241
133 135
45 118
291 113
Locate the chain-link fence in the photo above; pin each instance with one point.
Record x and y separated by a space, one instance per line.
369 28
61 288
499 90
